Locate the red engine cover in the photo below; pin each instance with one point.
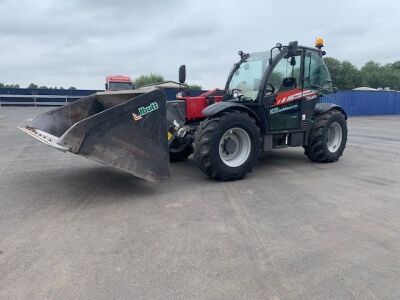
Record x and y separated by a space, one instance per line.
195 105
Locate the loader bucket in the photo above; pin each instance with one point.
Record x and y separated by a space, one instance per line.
126 130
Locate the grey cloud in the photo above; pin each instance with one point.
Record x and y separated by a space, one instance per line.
129 5
348 30
185 31
80 42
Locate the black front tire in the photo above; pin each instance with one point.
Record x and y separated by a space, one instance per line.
317 149
182 154
207 144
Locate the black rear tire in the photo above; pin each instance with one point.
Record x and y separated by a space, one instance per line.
208 141
318 149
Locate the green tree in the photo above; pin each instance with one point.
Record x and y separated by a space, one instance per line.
371 74
350 76
42 87
344 74
144 80
391 75
194 87
12 86
33 86
72 88
333 65
396 65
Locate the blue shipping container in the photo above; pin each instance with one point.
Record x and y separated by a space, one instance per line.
366 103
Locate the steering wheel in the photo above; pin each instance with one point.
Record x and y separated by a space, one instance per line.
271 90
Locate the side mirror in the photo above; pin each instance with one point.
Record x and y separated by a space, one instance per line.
292 49
269 98
106 86
182 74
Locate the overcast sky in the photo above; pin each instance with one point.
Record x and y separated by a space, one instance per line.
79 42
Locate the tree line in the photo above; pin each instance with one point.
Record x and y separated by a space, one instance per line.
35 87
346 76
144 80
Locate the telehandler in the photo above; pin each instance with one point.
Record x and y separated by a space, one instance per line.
271 100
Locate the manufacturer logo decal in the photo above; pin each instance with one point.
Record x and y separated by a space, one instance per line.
276 110
144 110
293 95
311 97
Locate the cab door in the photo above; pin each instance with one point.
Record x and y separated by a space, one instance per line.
316 84
283 94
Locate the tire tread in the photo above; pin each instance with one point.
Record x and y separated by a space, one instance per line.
203 139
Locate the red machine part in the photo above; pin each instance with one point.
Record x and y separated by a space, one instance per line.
118 82
118 78
195 105
293 95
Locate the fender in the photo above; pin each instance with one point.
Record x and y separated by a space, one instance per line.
321 108
219 107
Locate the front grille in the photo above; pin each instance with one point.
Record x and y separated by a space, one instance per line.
305 123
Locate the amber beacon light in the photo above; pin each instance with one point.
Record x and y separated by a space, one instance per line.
319 43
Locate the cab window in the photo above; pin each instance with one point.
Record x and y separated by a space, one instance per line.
316 74
286 75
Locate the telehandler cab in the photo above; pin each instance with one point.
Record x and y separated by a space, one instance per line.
271 100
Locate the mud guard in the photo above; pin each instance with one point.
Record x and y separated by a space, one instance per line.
216 108
321 108
126 130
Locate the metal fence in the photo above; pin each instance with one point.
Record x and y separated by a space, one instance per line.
37 97
366 103
355 103
49 97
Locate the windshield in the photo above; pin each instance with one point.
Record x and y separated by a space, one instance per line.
246 80
117 86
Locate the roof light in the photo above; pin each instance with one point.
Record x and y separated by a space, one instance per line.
319 42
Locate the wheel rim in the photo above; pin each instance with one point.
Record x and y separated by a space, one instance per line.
334 137
235 147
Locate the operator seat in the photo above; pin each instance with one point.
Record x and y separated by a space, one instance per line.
287 84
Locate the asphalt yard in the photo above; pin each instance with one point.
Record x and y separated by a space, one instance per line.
292 229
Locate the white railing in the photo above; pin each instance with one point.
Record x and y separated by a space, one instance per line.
33 99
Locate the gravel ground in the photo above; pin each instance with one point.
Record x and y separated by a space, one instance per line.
292 229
